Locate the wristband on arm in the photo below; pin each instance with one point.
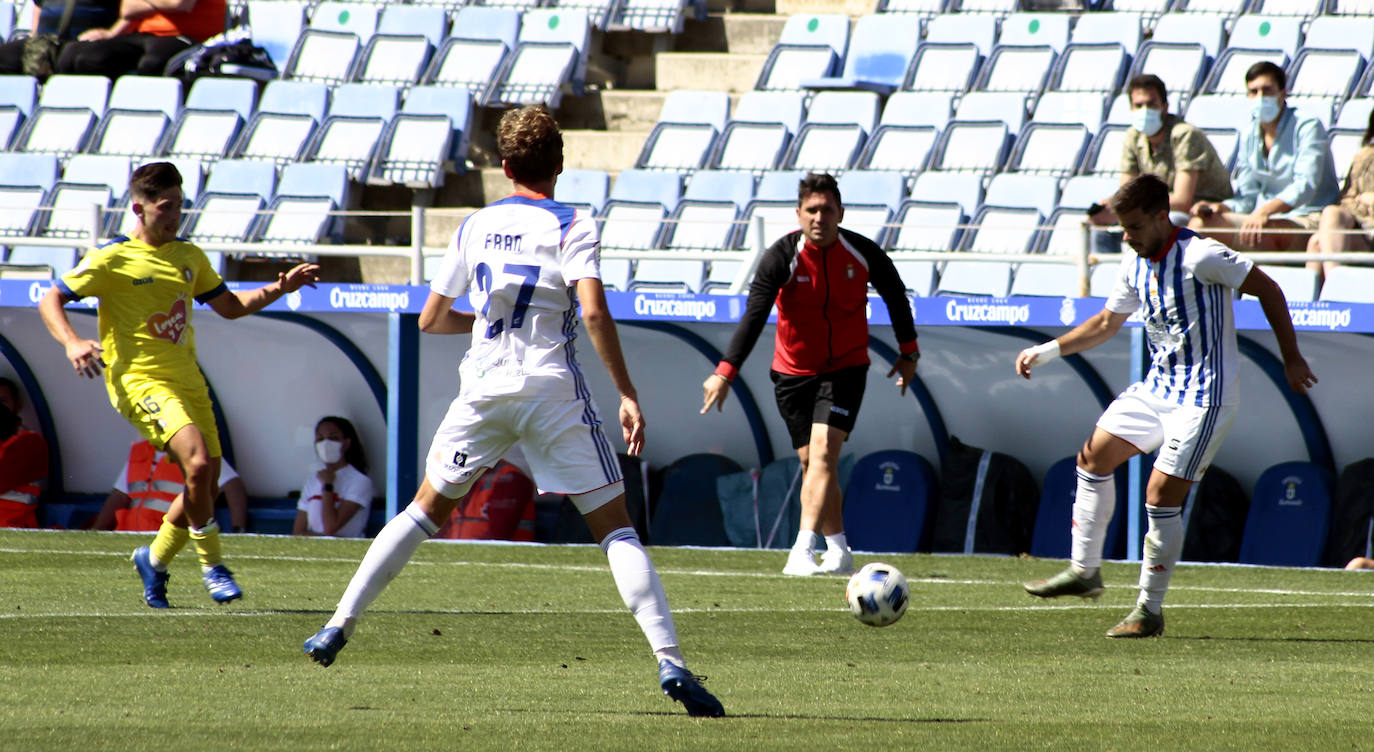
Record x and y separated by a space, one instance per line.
1042 354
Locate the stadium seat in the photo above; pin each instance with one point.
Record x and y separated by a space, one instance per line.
1017 69
1299 284
1192 28
703 220
779 218
1299 8
98 169
1348 284
1228 73
1108 28
900 148
1063 107
870 200
1226 141
926 226
759 132
1035 29
1355 113
431 131
1181 65
975 146
19 204
207 127
1341 33
323 56
223 218
400 51
922 9
653 15
550 55
242 176
585 189
1344 143
685 134
1148 11
1097 67
1289 514
1219 111
277 24
1000 230
1008 107
1022 191
1257 32
57 261
688 512
140 108
810 46
1104 276
294 220
286 119
998 8
888 501
1082 191
18 96
315 180
1227 10
1065 236
1327 74
1104 155
71 213
1050 148
66 114
1045 281
950 67
599 12
474 56
833 135
357 117
1052 537
964 189
880 52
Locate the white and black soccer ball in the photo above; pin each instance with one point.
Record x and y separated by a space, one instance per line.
877 594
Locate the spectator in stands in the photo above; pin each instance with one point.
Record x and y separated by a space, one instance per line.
23 463
147 35
149 484
1161 143
1284 174
1355 210
500 505
1183 407
86 15
818 276
337 498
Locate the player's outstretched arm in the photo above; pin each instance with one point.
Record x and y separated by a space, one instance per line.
438 316
83 354
1275 307
1087 335
234 305
601 329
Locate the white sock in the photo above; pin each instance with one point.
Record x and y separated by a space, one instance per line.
642 591
836 542
385 559
1093 505
807 540
1163 546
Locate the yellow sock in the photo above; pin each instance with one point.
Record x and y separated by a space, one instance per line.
169 541
207 544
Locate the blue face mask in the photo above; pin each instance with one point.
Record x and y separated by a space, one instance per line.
1146 120
1265 108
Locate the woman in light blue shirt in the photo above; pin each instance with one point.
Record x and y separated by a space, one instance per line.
1284 174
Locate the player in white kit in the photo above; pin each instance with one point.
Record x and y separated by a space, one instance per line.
1183 286
524 263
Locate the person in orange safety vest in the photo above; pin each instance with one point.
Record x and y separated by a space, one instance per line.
151 479
23 463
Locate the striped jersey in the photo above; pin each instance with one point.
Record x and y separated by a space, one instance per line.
1185 304
517 261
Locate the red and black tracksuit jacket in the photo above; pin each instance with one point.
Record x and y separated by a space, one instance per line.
822 298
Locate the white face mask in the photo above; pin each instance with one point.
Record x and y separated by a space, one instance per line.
1147 120
1265 108
329 451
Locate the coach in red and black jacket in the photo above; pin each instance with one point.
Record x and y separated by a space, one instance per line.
818 277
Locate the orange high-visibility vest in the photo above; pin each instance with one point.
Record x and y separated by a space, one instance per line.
19 505
153 484
500 506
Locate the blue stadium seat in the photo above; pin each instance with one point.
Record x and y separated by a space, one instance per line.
1000 230
1341 33
1257 32
943 66
1050 148
1192 28
1299 8
655 15
323 56
918 108
550 55
998 8
98 169
400 51
836 128
632 218
1108 28
277 24
359 19
1097 67
21 205
1330 75
1014 68
870 200
1227 10
350 134
1355 113
922 9
215 112
1051 538
474 56
923 226
1227 76
1006 106
964 189
1065 236
685 134
810 46
600 12
140 109
688 511
242 176
1289 514
981 31
583 188
779 185
1348 284
20 169
1181 65
315 180
20 92
1035 29
285 121
1022 191
972 146
1104 155
1219 111
888 501
1148 11
70 216
647 186
429 21
1082 191
1081 108
880 52
63 121
759 132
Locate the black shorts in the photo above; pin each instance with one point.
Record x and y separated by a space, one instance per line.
830 399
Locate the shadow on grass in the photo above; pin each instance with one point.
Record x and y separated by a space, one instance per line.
755 716
1280 640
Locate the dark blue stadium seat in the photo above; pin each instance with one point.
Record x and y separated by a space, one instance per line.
1289 514
888 501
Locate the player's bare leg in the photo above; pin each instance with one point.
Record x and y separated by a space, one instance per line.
822 511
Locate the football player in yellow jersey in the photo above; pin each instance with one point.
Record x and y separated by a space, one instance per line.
146 284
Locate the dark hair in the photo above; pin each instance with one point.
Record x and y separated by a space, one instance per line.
154 178
530 143
9 423
1266 68
814 182
354 455
6 383
1147 193
1368 130
1149 81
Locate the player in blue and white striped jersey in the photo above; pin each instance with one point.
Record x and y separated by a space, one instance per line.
525 263
1182 284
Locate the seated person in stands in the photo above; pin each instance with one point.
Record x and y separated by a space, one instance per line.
147 34
1355 210
23 463
500 505
150 481
47 14
1161 143
337 497
1284 174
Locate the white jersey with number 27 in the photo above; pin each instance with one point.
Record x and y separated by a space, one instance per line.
518 261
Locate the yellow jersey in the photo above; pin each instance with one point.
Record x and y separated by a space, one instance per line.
145 305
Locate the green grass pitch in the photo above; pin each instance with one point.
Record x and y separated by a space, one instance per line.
488 647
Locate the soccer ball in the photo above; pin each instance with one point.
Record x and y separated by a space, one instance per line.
877 594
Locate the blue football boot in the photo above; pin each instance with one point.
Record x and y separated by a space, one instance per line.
154 582
684 686
324 645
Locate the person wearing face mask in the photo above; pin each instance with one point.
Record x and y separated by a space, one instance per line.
1161 143
1284 174
337 498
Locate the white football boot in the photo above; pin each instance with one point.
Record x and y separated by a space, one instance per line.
801 562
836 561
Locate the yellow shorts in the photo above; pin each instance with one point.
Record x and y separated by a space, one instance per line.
160 409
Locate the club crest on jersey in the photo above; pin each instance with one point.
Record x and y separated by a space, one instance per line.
1152 290
186 273
170 326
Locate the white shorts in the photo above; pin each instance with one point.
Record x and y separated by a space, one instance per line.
1186 436
562 440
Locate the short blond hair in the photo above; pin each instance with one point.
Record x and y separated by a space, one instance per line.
530 143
